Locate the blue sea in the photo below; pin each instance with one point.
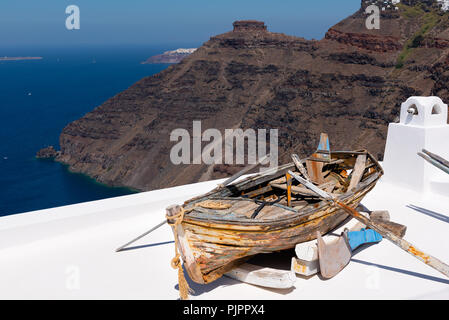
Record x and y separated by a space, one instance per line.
38 98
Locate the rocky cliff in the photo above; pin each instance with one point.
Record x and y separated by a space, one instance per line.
349 84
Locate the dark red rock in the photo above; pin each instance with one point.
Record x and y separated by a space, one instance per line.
366 41
249 26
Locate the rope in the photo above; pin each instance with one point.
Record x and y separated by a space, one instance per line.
216 205
175 221
184 288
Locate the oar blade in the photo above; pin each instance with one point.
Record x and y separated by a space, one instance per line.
333 257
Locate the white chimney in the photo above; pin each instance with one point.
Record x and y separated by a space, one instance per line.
423 125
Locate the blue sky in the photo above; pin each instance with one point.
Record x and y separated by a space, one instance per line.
149 22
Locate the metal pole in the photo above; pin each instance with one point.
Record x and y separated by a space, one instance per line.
141 236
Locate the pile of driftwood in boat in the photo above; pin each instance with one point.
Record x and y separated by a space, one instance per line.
270 211
277 189
274 211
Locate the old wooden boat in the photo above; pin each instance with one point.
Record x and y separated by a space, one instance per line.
269 212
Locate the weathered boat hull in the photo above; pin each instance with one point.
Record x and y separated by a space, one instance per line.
212 247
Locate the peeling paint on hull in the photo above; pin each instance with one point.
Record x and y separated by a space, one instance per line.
211 247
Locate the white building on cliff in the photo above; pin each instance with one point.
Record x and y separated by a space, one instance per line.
444 4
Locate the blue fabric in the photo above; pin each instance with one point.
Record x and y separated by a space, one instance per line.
357 238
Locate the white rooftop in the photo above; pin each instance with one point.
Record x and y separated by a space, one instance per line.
69 252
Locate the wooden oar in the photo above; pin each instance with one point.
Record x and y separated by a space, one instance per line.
242 172
141 236
300 166
401 243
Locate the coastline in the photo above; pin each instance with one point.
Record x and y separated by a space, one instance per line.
91 179
30 184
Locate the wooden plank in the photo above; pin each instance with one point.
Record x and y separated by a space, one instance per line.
244 208
300 166
357 172
295 203
315 170
281 180
245 184
300 205
322 155
395 228
340 182
288 178
329 186
272 212
185 250
243 171
380 215
258 192
264 277
254 181
296 190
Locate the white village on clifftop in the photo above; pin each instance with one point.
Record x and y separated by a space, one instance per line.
391 4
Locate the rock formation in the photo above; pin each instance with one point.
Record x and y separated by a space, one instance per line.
249 26
349 84
47 153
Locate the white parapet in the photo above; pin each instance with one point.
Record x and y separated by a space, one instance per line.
423 125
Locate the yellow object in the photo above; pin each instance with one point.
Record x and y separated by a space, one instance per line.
216 205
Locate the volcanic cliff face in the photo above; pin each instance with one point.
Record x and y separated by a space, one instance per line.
350 85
